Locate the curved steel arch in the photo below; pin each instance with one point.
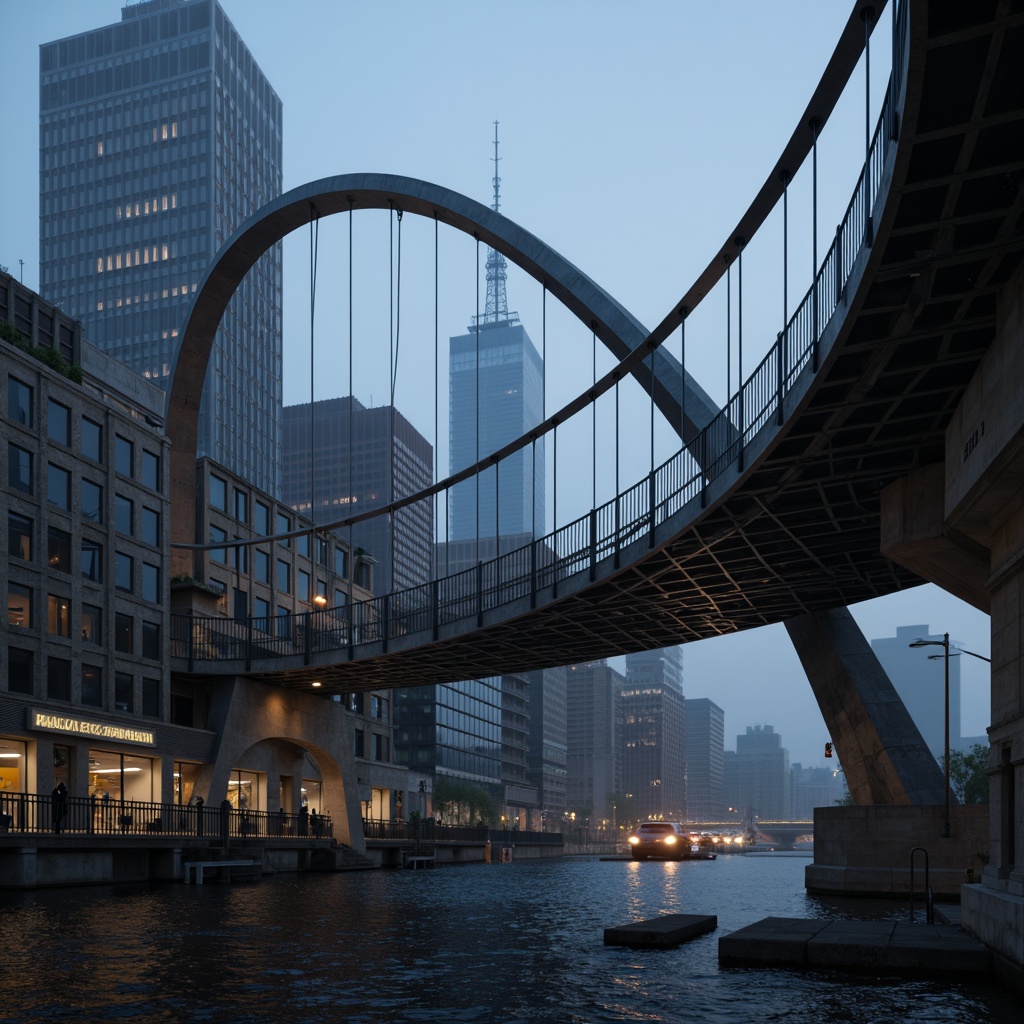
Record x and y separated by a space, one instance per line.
618 329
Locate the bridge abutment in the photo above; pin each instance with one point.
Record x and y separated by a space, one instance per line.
266 728
978 507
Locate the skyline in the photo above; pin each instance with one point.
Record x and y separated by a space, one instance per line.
420 110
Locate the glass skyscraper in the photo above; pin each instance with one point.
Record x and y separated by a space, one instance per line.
158 136
496 388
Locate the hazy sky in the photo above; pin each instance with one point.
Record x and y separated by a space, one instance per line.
633 137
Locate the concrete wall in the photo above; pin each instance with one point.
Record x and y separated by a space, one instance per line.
865 851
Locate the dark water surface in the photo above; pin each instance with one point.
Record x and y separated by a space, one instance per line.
502 943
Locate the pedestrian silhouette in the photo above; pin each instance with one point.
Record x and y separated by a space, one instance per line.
60 806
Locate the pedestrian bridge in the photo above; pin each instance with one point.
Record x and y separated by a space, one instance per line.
771 508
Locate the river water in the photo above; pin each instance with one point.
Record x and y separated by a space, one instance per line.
476 944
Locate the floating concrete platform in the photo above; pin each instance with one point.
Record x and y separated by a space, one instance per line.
661 932
856 945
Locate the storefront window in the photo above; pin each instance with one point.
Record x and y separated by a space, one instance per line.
185 776
244 791
120 776
12 767
311 795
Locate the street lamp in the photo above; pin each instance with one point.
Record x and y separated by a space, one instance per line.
944 644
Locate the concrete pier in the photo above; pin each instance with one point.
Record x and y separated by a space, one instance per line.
937 949
661 932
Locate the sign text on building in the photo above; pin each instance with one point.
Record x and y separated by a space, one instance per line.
84 727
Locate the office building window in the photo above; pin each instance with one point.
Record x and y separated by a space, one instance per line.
151 697
283 525
19 402
19 536
261 566
124 633
58 549
218 554
92 625
283 622
92 686
302 589
58 486
92 440
241 506
19 671
19 469
150 583
284 583
124 569
58 422
92 560
150 527
124 513
58 615
19 605
151 640
261 518
124 452
218 493
340 562
261 614
124 686
58 679
150 470
92 502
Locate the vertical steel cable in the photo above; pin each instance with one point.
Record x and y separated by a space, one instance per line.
351 428
593 418
476 326
314 245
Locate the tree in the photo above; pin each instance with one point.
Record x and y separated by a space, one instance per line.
968 774
462 801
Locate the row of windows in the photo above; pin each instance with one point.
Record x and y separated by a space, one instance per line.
21 409
20 603
21 679
218 495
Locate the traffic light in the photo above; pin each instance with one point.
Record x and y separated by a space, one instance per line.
828 749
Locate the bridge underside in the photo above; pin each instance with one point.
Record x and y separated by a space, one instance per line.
800 533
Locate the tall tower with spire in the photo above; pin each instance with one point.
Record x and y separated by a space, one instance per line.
496 393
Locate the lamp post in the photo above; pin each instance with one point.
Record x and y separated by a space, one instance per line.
944 644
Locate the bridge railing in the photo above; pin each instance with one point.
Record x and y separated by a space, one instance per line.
582 544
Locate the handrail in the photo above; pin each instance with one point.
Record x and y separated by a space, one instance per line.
575 546
929 900
35 814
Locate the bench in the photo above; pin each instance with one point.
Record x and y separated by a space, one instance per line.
197 867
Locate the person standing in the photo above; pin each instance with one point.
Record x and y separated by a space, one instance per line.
60 806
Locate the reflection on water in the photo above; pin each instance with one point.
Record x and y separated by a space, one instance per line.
488 944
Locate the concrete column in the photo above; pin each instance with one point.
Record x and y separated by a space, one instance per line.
882 752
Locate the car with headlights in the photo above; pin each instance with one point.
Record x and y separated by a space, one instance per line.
667 840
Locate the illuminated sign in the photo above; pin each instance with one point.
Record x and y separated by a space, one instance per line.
48 722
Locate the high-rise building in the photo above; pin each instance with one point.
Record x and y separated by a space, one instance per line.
593 696
158 136
919 678
653 737
547 753
757 775
357 459
705 754
814 787
495 394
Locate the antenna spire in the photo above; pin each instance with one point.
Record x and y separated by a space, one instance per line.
496 307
